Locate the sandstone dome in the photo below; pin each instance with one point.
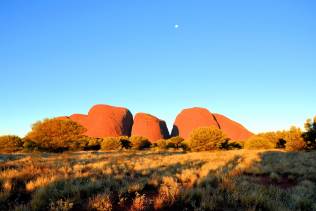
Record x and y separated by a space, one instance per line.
150 127
191 118
105 120
232 129
80 119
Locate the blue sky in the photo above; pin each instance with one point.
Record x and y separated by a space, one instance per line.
253 61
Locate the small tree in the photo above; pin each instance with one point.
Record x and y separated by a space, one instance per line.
139 142
56 134
206 138
310 134
294 139
10 143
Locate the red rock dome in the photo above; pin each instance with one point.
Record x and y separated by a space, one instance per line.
150 127
105 120
191 118
80 119
232 129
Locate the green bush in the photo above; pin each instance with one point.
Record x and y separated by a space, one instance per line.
57 135
10 143
206 138
259 142
139 142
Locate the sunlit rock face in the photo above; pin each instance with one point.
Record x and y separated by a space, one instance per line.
150 127
191 118
105 120
81 119
232 129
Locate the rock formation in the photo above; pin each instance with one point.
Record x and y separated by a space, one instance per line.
80 119
232 129
104 120
150 127
192 118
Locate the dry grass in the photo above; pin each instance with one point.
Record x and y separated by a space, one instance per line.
149 180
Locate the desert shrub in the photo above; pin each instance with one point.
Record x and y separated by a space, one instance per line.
310 134
115 143
281 144
291 139
111 143
29 145
93 143
294 139
78 144
139 142
174 142
101 202
275 137
161 144
56 134
206 138
140 203
61 205
229 145
259 142
10 143
184 145
125 142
